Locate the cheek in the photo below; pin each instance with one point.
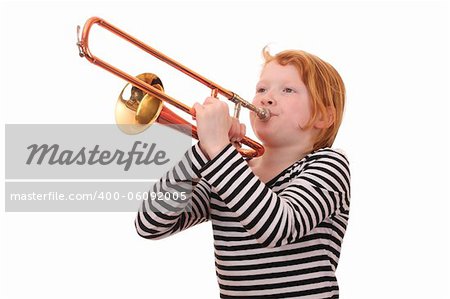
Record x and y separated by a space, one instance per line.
252 115
300 115
256 100
303 119
253 119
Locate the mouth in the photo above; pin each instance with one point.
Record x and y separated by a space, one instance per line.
271 113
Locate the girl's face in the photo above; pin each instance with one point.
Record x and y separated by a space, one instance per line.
281 90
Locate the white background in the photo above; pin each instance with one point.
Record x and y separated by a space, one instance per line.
394 58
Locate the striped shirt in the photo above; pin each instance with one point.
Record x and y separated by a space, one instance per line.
280 239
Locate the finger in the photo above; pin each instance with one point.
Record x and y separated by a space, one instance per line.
243 131
197 107
234 132
240 133
210 100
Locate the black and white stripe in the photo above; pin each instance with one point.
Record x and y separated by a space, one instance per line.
276 240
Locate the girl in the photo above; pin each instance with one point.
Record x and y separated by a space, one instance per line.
278 220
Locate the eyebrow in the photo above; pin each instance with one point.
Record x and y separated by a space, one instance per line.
300 83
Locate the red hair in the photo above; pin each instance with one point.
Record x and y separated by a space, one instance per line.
325 87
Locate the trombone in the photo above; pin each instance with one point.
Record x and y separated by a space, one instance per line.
145 105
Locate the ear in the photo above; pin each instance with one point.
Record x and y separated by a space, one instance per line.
325 121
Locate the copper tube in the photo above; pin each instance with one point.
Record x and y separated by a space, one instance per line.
83 46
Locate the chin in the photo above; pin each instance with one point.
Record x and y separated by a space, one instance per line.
260 127
266 136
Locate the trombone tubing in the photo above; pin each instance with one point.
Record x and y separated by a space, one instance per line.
83 46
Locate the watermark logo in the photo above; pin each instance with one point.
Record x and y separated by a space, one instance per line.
91 167
52 154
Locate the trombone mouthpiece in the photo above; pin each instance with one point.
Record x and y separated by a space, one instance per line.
263 114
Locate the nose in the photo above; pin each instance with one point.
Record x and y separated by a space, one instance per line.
268 99
267 102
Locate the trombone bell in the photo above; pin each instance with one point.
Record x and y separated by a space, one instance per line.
140 110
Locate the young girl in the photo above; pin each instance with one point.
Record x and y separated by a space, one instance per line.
278 220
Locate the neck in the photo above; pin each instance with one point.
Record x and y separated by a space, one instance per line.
282 157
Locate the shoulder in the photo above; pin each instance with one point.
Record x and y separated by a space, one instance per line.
328 155
324 159
328 168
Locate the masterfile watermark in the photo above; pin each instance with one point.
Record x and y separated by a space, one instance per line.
53 154
91 152
92 197
94 168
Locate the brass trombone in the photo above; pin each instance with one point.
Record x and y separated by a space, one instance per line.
145 104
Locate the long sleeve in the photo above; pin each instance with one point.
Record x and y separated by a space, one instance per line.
180 199
319 190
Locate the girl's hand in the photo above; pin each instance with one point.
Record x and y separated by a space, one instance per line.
237 130
213 125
